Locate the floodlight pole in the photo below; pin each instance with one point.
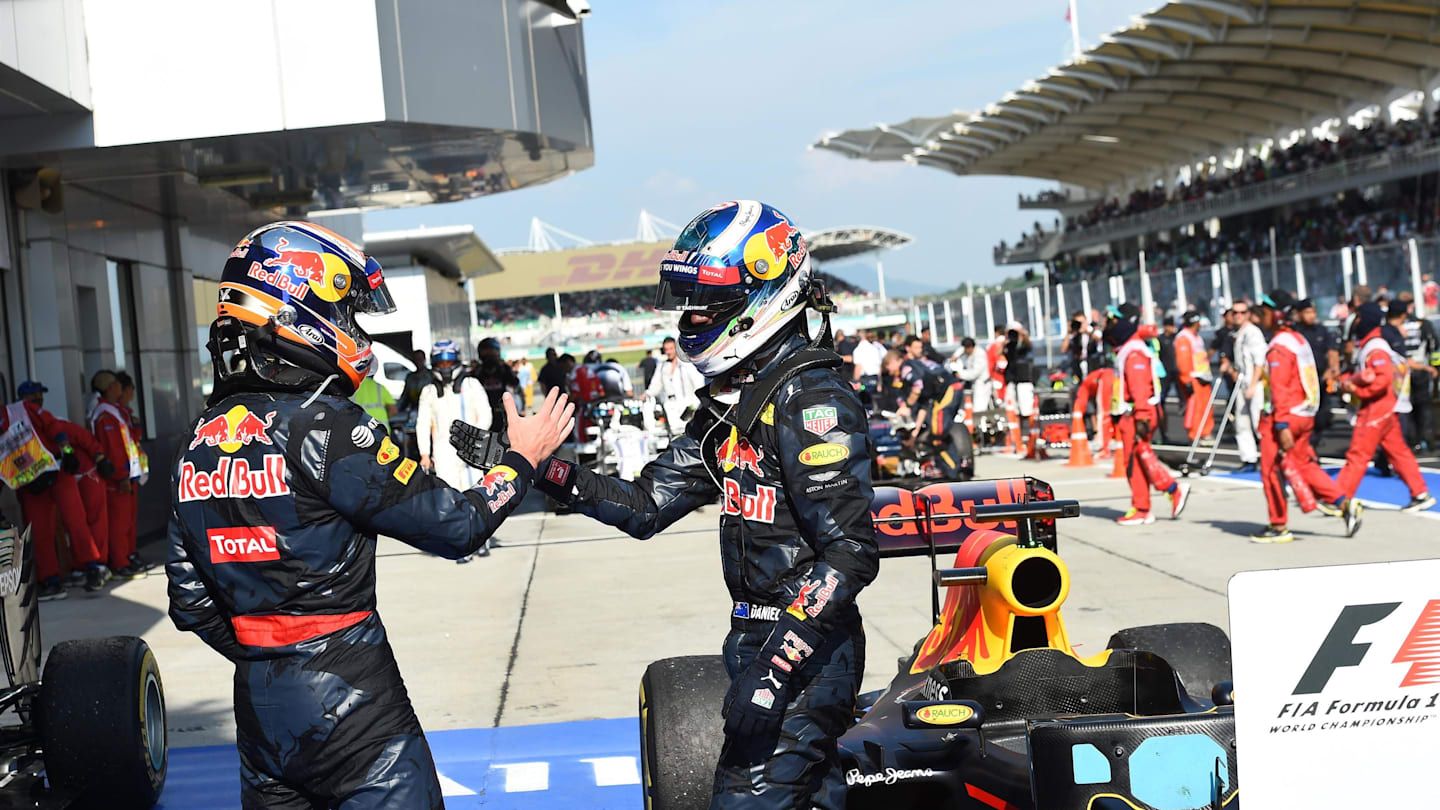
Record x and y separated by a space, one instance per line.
880 272
557 306
1075 27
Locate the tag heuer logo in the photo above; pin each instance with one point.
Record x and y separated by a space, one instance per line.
819 420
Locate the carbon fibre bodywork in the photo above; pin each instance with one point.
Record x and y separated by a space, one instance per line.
1016 719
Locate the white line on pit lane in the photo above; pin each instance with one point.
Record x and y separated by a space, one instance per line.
524 777
615 771
530 777
449 787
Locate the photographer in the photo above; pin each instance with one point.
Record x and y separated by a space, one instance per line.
1081 345
1019 372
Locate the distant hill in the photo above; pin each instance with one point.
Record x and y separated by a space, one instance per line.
863 276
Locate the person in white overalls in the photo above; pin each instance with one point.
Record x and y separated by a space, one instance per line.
450 396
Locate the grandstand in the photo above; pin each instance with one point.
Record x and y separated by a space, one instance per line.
1222 147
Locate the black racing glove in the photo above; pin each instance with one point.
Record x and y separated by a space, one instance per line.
69 462
105 467
1142 430
756 703
556 478
1186 388
477 447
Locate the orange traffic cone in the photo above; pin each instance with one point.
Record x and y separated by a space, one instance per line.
1036 446
1079 442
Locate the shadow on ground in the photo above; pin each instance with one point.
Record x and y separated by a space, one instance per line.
1101 512
77 616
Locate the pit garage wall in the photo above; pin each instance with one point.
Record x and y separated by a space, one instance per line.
66 306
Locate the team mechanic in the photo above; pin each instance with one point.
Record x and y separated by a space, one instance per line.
783 438
278 498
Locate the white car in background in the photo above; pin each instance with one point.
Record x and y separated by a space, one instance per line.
393 368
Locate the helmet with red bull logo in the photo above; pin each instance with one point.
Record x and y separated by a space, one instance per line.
292 290
740 276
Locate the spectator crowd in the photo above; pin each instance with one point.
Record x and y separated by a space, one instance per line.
1305 155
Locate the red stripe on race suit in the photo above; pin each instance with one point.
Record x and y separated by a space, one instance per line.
283 629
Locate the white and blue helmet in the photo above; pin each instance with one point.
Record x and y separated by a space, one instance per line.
743 263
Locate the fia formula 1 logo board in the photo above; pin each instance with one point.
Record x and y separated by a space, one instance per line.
1337 671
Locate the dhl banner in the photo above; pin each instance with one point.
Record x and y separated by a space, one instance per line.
598 267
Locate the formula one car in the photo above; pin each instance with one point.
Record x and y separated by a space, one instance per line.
902 466
90 733
994 709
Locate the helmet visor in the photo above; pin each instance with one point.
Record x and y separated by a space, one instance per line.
375 298
691 287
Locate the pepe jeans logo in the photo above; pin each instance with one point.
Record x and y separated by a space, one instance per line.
1340 651
889 777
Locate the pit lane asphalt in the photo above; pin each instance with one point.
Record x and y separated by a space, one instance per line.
560 621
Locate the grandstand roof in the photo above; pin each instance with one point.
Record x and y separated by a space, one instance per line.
1191 79
454 250
842 243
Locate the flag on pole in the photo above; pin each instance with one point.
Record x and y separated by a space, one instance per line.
1067 13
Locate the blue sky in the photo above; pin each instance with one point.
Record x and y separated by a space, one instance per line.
695 103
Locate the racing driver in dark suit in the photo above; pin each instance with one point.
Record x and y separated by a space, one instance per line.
278 497
781 439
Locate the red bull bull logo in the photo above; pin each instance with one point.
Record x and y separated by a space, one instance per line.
297 272
497 487
736 451
777 237
233 430
803 607
767 252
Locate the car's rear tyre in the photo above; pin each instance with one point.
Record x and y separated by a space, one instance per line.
102 722
681 730
1198 652
965 446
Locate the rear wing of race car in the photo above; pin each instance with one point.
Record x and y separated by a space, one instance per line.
941 517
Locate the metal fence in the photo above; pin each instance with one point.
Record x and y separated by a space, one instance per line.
1327 277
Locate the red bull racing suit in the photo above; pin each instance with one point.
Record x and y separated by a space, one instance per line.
796 544
272 563
940 399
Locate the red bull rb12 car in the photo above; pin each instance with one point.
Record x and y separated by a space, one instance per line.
994 709
87 730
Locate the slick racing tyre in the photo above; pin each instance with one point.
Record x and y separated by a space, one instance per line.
1198 652
681 730
102 722
965 445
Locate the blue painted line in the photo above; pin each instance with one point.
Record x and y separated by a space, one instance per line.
588 763
1374 488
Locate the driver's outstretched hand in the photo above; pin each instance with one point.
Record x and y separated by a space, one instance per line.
537 437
